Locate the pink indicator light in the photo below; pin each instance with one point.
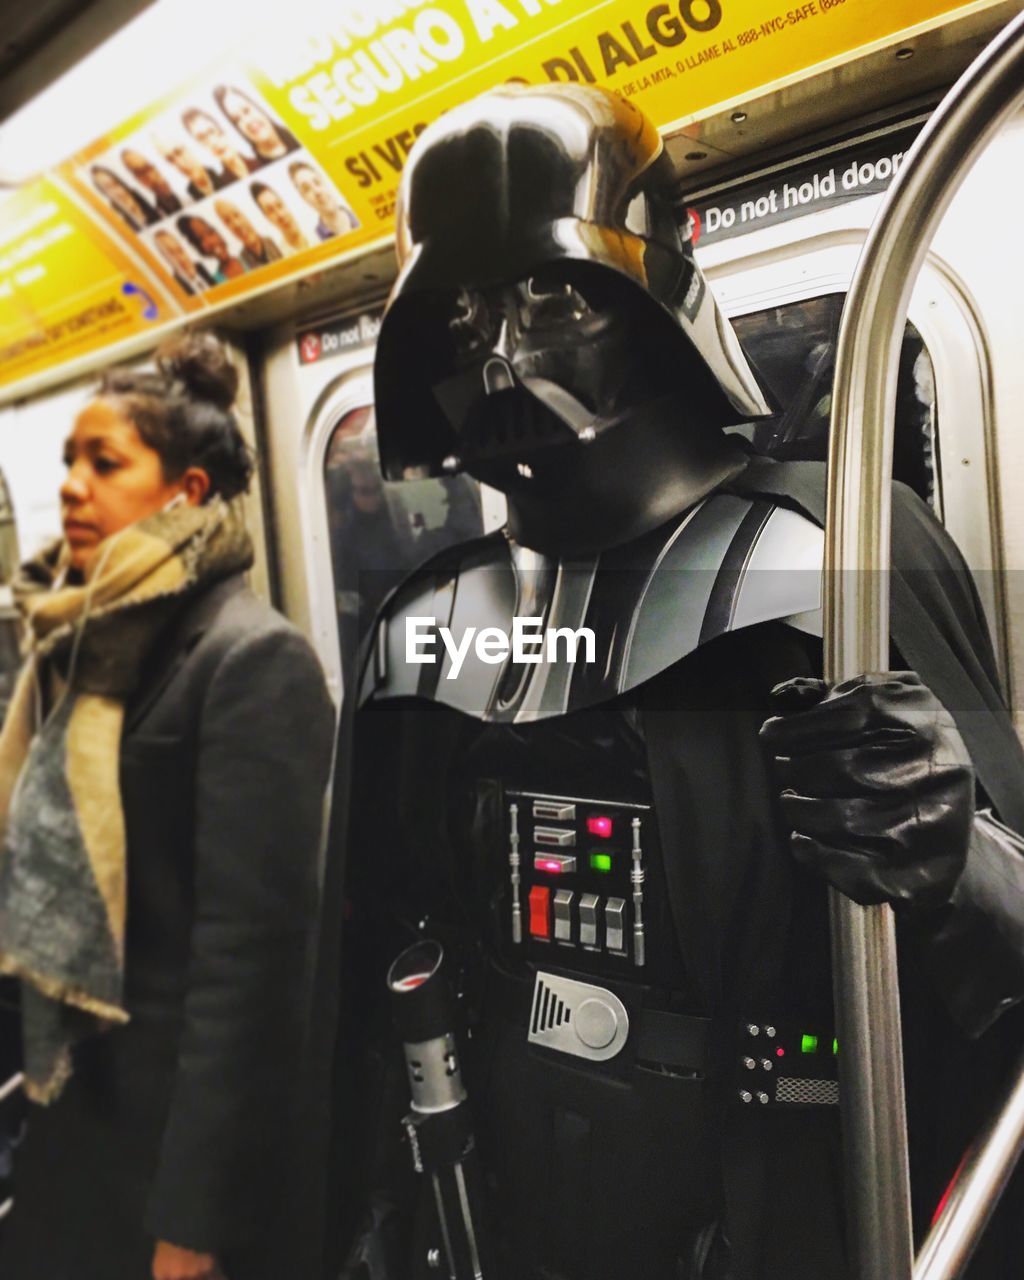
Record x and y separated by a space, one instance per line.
780 1052
550 865
600 827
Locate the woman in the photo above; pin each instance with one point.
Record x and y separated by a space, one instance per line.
257 250
268 138
335 217
145 172
209 243
208 133
170 739
202 181
131 207
190 277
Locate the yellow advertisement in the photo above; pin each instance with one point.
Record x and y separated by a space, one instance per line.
360 92
65 289
288 155
214 191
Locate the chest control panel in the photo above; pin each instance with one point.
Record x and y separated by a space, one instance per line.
576 875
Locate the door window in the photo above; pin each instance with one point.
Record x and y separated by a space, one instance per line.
380 531
793 348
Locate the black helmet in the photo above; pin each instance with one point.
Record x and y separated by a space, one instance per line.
515 181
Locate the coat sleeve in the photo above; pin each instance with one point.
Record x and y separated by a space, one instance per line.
265 737
974 945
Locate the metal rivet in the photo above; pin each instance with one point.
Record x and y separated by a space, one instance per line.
763 1099
752 1030
738 117
766 1064
770 1032
746 1096
749 1063
903 54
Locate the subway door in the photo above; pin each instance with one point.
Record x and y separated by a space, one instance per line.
344 537
784 288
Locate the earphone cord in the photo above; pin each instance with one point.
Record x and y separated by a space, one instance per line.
91 586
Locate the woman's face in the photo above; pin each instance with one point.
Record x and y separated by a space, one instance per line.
238 224
314 190
115 192
113 479
251 121
175 254
184 160
279 214
145 172
203 129
210 240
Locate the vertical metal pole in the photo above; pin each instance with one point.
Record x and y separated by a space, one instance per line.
856 628
856 621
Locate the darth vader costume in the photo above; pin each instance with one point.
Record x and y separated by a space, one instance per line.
598 833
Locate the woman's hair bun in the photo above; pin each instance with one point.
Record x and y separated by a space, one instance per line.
201 362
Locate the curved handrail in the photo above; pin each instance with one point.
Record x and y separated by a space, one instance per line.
856 624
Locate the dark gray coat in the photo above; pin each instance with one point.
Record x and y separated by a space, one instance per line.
180 1125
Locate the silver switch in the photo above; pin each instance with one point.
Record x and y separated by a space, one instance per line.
555 836
615 925
588 920
554 811
557 863
563 915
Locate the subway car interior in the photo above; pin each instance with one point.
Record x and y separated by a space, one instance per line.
850 176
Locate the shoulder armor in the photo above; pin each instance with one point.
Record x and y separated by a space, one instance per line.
731 562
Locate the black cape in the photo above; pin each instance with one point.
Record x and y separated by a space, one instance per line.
780 1224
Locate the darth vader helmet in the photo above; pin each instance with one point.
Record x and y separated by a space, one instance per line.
547 298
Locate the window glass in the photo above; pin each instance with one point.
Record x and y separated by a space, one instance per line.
793 348
380 531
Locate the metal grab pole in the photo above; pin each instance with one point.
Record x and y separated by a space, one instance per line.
974 1193
856 621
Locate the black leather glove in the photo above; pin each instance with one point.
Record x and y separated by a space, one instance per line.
878 787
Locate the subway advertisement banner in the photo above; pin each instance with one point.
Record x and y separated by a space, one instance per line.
288 154
66 288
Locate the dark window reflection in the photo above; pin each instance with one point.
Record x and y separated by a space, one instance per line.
381 531
794 349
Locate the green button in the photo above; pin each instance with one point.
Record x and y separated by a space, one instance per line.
601 862
808 1044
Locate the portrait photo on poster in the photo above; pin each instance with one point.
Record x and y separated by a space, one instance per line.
215 186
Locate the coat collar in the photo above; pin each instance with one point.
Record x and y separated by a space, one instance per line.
175 645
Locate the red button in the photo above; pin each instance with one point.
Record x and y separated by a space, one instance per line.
600 826
540 911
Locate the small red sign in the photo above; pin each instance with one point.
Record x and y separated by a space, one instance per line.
309 348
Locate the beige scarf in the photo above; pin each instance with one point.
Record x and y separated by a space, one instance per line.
62 836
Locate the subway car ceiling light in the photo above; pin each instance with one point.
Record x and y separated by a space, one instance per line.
90 98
